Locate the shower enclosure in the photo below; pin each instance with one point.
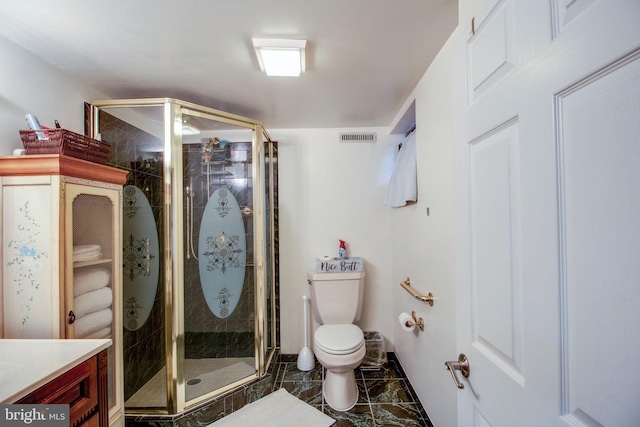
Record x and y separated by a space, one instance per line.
200 249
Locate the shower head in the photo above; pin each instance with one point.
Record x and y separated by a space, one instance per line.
209 145
207 148
214 142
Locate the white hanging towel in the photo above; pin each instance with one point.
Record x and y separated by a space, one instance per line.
403 184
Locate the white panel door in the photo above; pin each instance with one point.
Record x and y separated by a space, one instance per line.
548 167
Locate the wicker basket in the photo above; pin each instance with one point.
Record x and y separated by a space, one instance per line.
62 141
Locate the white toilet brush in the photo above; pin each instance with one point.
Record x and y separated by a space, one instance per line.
306 360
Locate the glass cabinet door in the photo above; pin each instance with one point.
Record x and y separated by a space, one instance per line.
93 272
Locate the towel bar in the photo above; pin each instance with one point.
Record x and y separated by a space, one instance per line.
427 299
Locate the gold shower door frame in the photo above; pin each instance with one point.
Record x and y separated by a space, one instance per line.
173 112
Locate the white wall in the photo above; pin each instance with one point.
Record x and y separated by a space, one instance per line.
328 191
423 247
31 85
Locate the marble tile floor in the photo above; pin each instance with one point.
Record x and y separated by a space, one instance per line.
386 396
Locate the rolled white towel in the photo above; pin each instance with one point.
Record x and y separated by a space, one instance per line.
92 301
102 333
83 249
87 256
92 322
89 279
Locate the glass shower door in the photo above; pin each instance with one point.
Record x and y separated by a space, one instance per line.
219 286
200 298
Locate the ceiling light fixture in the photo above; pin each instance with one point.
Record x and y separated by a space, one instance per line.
281 57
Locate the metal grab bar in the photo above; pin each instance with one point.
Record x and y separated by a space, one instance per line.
427 299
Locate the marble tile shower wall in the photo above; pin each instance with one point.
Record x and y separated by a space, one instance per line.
144 353
273 207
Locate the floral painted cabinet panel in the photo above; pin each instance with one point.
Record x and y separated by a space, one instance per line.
30 261
62 255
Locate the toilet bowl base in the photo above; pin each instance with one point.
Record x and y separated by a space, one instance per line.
340 390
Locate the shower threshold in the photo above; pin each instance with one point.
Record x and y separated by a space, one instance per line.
211 373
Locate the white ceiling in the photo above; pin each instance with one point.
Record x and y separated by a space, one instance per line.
364 57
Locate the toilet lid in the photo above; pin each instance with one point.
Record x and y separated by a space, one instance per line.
339 339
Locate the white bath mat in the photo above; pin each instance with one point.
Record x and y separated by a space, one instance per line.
278 409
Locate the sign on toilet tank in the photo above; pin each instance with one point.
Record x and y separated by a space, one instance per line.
336 265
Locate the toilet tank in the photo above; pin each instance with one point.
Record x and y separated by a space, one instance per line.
336 297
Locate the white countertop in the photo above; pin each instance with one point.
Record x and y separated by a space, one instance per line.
27 364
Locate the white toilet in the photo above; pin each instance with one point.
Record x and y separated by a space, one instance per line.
338 343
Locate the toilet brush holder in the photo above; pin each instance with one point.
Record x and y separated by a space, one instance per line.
306 359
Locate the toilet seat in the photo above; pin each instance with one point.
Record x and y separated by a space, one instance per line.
339 338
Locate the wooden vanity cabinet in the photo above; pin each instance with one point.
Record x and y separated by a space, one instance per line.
84 388
53 205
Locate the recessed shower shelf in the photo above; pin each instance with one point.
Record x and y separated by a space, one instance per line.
218 162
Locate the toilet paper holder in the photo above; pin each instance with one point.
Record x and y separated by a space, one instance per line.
418 321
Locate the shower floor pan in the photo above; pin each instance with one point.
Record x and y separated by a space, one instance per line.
201 376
